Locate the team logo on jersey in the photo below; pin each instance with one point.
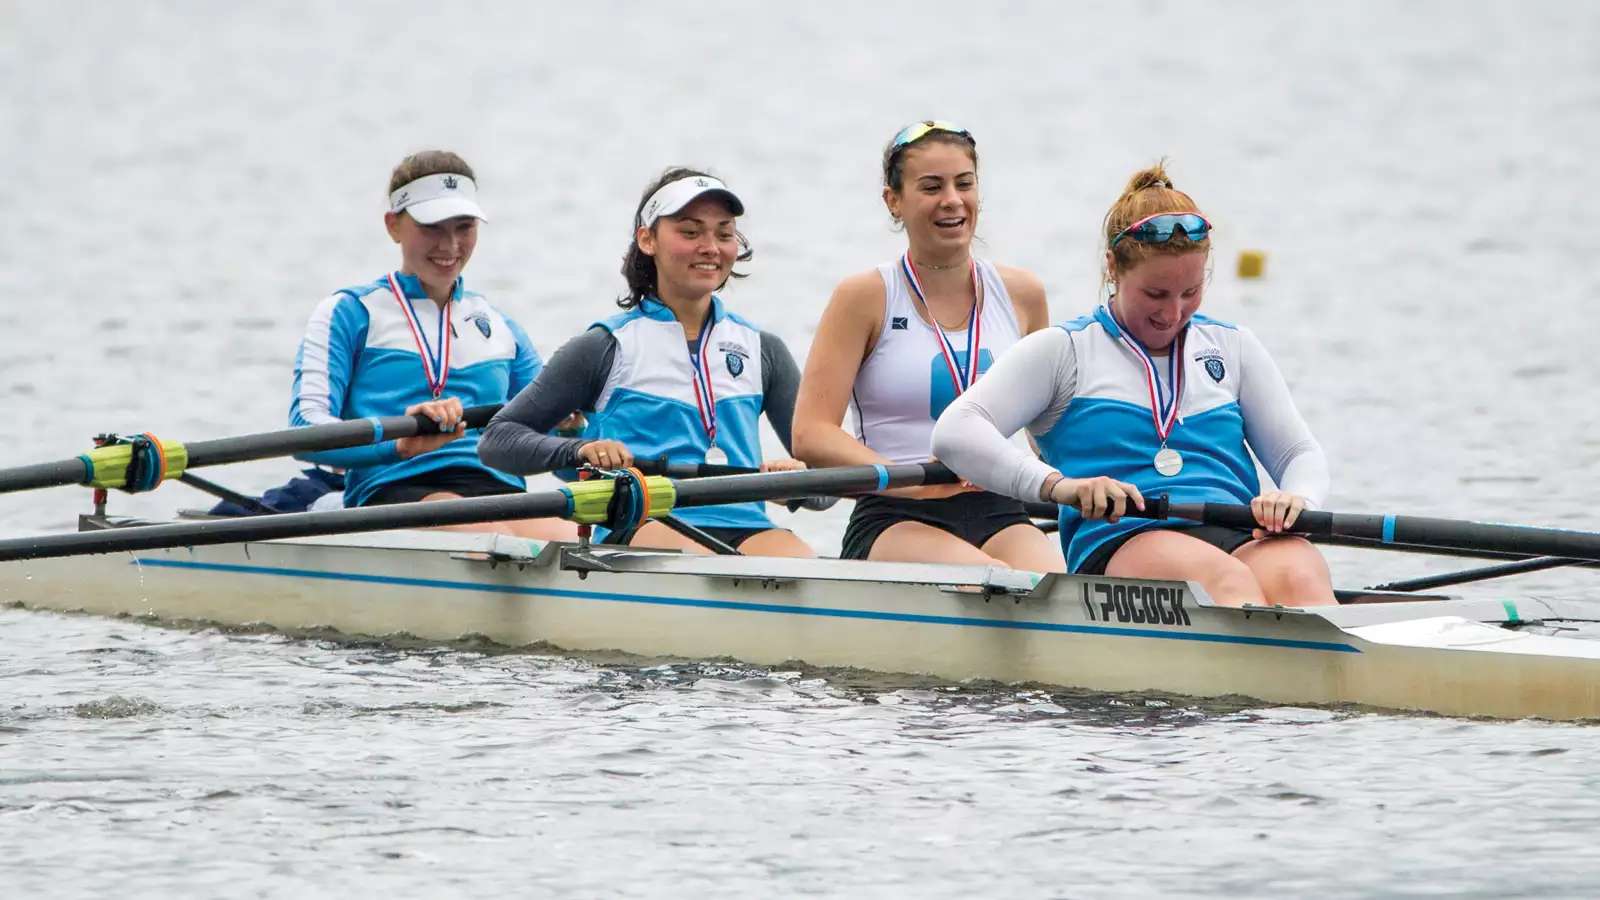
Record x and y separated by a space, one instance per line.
898 323
1212 360
450 182
482 321
734 355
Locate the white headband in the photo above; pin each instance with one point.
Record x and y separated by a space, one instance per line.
672 197
434 198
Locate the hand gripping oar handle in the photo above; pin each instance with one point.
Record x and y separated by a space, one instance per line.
333 436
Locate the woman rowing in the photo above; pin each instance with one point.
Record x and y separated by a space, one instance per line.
897 344
416 340
1144 396
676 375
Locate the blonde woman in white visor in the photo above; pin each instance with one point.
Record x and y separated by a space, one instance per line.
417 341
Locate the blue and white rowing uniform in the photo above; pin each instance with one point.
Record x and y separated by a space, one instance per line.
368 353
654 398
642 382
1087 396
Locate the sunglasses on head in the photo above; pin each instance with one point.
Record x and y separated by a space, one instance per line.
916 131
1159 228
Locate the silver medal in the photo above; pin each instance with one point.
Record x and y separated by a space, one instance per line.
716 457
1168 462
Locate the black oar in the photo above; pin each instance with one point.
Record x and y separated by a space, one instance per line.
1417 531
1482 573
558 503
289 441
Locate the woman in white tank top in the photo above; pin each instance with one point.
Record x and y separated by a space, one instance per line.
899 343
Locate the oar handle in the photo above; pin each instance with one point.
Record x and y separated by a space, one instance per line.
333 436
219 451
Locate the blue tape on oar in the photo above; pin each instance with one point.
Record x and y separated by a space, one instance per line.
1388 529
883 476
377 428
572 505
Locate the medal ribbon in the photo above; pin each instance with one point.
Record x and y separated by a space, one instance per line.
435 369
704 397
1164 411
974 328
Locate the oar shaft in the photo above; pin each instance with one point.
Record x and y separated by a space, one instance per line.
1483 573
697 492
289 441
333 436
1456 534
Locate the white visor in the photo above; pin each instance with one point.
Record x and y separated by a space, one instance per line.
672 197
434 198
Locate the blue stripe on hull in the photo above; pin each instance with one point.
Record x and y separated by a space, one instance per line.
741 606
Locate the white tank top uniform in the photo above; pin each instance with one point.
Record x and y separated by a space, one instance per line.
911 375
915 370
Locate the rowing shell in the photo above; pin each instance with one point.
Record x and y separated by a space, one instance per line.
1456 657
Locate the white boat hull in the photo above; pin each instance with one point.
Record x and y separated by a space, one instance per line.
957 623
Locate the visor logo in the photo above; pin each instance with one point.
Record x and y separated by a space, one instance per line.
450 182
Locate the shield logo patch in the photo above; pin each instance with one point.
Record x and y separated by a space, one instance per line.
1214 368
483 325
735 363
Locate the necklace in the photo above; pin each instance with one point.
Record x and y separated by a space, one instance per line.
934 268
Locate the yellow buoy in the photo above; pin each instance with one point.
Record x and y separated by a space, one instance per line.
1252 263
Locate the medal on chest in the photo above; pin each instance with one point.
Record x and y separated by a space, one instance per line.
958 379
1163 403
705 397
435 365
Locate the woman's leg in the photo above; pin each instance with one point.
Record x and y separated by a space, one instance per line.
1290 570
776 542
657 536
1023 546
1172 555
917 542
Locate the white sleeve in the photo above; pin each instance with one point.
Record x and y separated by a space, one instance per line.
1030 385
1277 434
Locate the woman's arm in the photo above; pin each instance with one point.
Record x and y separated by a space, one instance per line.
1027 298
1029 385
1277 434
517 439
846 334
335 334
780 384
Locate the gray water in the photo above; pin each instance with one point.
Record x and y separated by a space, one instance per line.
185 181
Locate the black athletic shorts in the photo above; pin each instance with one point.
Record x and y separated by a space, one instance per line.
467 482
1225 539
973 516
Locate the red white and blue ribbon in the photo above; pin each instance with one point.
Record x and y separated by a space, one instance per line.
974 327
1163 409
435 368
704 398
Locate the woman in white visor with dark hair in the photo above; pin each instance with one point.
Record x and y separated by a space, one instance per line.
675 375
415 340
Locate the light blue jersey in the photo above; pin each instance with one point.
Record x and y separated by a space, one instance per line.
1086 398
361 357
649 400
1108 429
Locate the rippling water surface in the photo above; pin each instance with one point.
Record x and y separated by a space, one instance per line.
187 181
